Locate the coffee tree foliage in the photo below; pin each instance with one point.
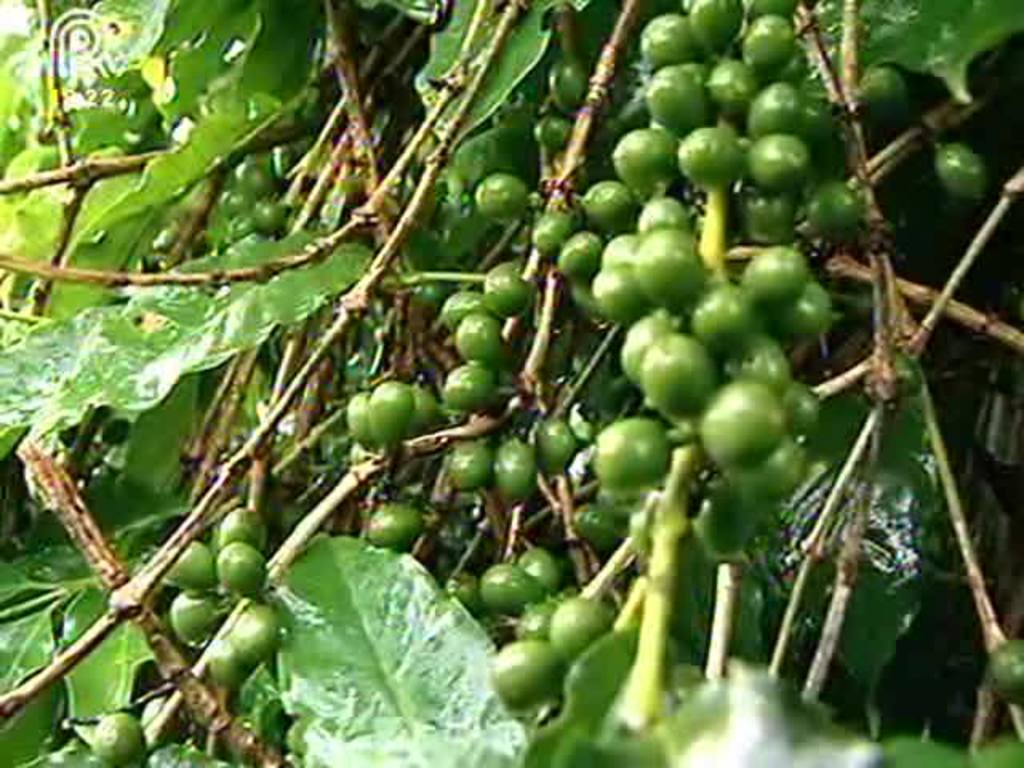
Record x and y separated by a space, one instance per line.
511 383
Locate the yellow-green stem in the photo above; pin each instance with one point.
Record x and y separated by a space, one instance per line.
630 613
713 241
644 694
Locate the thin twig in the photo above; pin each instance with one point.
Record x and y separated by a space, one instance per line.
1011 191
944 117
843 381
727 593
847 571
311 254
991 631
964 314
597 95
197 219
531 377
814 544
573 388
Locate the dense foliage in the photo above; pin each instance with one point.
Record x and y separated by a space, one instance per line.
519 383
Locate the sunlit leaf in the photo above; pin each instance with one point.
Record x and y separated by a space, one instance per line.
383 670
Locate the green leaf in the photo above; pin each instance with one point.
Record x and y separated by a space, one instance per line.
937 37
522 52
25 645
905 509
907 752
104 681
153 453
128 29
1005 754
28 733
383 670
130 357
750 720
592 687
259 703
242 48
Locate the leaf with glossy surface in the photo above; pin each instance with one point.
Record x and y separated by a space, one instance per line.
750 720
937 37
28 733
25 645
905 509
383 670
129 357
104 681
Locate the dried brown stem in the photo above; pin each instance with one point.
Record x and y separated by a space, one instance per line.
313 253
597 95
964 314
531 378
842 93
1011 191
813 546
847 570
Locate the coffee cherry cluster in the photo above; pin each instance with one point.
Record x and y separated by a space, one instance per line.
707 334
390 413
476 318
553 626
210 578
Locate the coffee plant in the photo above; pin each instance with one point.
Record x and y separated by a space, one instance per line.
537 383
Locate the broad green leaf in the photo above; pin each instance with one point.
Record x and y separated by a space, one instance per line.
104 681
1004 754
592 687
521 53
153 453
937 37
383 670
127 29
25 645
31 730
907 752
130 356
749 720
244 48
